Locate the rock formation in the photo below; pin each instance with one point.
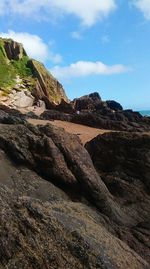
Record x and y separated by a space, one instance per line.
57 211
63 205
122 160
14 50
21 74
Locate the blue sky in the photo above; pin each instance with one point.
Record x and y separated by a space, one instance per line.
89 45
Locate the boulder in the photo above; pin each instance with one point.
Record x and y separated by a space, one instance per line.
114 105
123 162
22 100
57 211
42 228
88 102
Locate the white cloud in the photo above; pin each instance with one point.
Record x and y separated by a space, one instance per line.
144 7
85 68
34 46
88 11
76 35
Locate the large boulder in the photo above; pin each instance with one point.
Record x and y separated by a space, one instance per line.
61 158
41 227
114 105
88 102
82 221
123 162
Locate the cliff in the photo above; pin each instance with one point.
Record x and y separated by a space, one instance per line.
20 73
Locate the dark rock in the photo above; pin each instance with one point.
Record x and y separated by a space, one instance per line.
88 102
123 162
57 211
60 157
11 116
65 107
114 105
55 115
42 228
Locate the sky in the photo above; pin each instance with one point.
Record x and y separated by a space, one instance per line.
88 45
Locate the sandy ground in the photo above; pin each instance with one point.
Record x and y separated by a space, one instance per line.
84 132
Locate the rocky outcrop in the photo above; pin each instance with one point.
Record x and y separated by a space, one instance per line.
42 228
47 85
57 212
114 105
19 73
14 50
122 160
89 102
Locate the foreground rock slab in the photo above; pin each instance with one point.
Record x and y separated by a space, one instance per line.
41 228
123 162
58 211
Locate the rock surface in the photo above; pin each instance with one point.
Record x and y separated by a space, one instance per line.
14 50
57 211
18 73
46 85
123 162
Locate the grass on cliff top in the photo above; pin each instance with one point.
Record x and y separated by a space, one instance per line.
10 69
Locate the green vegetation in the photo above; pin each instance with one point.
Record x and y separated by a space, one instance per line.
10 69
14 63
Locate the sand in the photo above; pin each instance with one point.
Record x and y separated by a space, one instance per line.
84 132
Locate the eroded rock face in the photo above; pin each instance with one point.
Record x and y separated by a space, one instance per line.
18 73
123 162
42 228
47 85
14 50
57 211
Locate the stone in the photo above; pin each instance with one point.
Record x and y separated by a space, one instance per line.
123 161
14 50
58 211
22 100
42 228
114 105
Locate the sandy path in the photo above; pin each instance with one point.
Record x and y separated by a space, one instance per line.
84 132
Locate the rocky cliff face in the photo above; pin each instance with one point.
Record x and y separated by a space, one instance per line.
19 73
57 211
14 50
47 87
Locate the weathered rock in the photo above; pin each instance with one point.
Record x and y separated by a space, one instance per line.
88 102
123 162
14 50
65 107
10 116
108 115
47 85
22 100
18 72
59 157
88 219
55 115
114 105
41 228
